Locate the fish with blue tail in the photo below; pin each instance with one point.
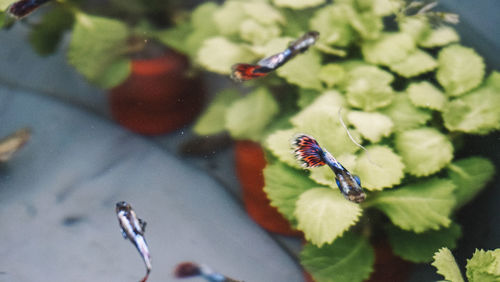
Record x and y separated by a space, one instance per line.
309 152
22 8
133 228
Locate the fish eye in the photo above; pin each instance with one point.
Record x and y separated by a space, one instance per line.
357 180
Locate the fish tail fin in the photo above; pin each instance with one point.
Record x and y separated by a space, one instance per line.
187 269
242 72
308 151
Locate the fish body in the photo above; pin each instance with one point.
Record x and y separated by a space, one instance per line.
241 72
21 9
310 153
133 228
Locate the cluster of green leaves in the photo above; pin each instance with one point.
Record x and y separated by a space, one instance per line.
99 45
403 94
484 266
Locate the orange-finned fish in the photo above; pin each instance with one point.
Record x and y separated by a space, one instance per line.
308 151
189 269
241 72
12 143
22 8
133 228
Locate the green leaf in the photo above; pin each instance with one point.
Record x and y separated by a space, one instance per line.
424 94
229 17
349 259
477 112
246 118
212 121
441 36
279 144
379 168
298 4
368 88
332 23
470 176
447 266
416 27
2 19
307 96
418 207
218 54
484 266
257 33
372 126
368 25
323 214
256 10
404 114
96 50
46 35
414 64
493 81
424 150
391 48
283 186
420 248
331 74
460 69
303 70
320 119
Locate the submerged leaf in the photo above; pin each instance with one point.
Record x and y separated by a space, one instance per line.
447 266
333 25
391 48
418 207
379 168
424 151
424 94
477 112
279 143
373 126
303 70
247 117
484 266
414 64
420 248
212 121
350 258
404 114
441 36
96 47
470 176
229 17
218 54
368 88
460 69
257 33
323 214
331 74
257 10
298 4
283 186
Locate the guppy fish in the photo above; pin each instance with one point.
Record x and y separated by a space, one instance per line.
241 72
21 9
133 229
12 143
308 151
189 269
